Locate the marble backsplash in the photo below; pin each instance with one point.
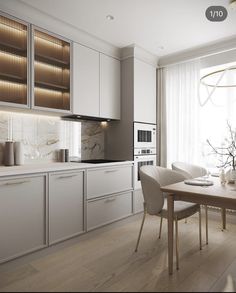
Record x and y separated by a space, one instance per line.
43 136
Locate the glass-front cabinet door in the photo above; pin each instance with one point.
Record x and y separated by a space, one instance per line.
51 71
13 62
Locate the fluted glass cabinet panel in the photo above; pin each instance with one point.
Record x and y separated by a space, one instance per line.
13 61
51 71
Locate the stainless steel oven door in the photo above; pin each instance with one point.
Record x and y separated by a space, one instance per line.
144 135
140 161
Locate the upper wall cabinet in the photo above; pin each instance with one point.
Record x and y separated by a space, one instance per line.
96 84
51 72
86 100
110 87
144 92
13 63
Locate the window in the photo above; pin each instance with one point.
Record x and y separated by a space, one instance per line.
192 117
220 108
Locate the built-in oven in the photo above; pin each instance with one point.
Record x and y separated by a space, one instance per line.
140 161
144 136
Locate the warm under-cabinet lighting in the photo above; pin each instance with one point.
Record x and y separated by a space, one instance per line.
104 123
10 57
48 42
14 85
48 93
13 92
30 115
7 27
51 68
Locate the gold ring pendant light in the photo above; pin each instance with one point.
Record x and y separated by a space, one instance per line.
215 73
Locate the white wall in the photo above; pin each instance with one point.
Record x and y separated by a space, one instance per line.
218 59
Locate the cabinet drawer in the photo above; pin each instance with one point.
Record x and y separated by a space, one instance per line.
22 216
108 181
107 210
66 206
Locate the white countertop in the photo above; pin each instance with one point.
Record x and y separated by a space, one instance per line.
52 167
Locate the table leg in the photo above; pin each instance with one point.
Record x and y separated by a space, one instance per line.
170 205
223 214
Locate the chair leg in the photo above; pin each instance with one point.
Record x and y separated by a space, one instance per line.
223 215
141 228
160 227
186 221
200 229
206 216
177 243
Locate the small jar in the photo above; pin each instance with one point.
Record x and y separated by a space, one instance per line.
222 177
67 156
62 155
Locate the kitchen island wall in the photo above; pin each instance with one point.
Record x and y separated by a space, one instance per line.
43 136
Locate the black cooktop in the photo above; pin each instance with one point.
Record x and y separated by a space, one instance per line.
101 161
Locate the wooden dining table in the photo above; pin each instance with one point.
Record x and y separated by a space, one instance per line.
217 195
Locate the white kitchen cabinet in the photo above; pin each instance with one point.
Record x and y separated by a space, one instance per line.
86 100
23 221
66 205
105 181
96 84
144 92
106 210
110 87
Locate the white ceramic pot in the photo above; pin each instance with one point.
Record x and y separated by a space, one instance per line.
19 153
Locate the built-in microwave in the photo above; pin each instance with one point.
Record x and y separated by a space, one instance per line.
144 136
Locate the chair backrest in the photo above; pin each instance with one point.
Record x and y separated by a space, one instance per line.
189 170
152 179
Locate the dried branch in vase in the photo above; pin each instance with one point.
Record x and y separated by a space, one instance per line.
228 152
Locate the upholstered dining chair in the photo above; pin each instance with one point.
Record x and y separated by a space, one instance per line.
191 171
155 203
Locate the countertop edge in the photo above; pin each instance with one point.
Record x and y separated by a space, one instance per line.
54 167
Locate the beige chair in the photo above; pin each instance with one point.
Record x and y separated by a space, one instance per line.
155 203
191 171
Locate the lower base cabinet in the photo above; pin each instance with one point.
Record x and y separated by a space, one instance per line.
138 201
39 210
23 226
106 210
66 205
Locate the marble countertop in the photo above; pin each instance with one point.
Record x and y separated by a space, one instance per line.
53 167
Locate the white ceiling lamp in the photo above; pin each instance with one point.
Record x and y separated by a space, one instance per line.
223 78
233 4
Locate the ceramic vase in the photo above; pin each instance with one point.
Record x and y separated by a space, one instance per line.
19 153
9 153
233 175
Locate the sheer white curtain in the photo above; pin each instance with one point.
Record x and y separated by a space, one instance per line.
182 113
161 110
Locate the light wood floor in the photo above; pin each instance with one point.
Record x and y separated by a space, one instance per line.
104 260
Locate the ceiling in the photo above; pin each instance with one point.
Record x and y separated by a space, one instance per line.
160 26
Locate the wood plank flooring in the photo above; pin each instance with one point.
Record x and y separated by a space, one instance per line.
104 261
